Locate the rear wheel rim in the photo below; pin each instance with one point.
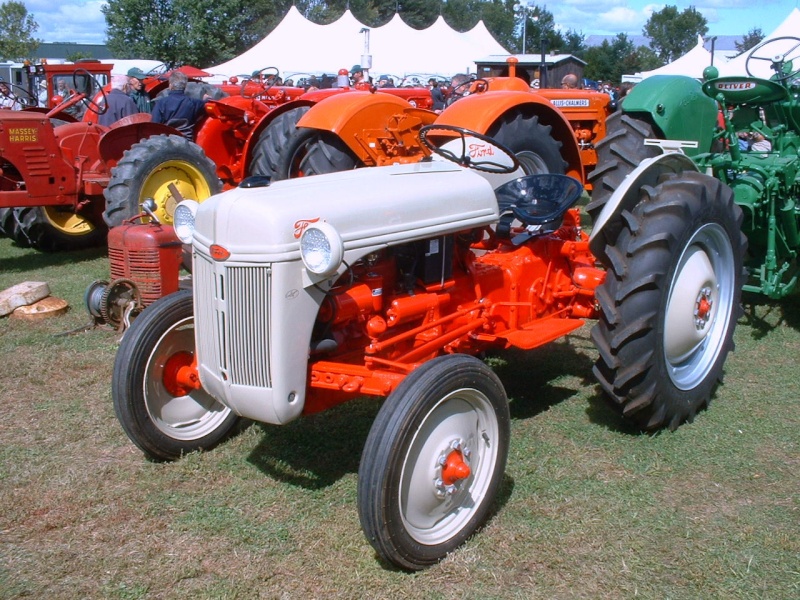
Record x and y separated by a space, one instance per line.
699 306
188 180
67 222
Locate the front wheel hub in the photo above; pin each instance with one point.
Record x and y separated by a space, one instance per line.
452 468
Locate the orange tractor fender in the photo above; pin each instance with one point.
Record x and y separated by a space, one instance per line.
480 111
379 128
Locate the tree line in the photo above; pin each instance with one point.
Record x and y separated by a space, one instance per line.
209 32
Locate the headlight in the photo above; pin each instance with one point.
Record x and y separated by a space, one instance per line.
321 249
183 220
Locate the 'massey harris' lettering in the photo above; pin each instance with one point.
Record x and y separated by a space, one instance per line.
22 134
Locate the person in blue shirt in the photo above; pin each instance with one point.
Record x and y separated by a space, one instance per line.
177 109
118 103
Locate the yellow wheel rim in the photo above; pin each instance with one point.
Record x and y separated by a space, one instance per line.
186 179
67 222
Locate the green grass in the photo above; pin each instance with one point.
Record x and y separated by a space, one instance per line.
589 508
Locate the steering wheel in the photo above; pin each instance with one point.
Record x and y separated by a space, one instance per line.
474 156
88 100
776 60
21 95
272 76
481 85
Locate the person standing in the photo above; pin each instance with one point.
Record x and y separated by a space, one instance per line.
118 103
436 95
177 109
137 92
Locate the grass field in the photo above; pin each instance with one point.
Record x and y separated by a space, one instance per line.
589 508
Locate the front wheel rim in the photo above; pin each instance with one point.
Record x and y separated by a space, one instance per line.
699 306
463 423
181 417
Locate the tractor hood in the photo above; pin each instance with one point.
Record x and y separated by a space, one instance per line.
369 208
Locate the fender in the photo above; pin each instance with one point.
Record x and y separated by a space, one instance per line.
359 118
677 107
626 196
125 133
480 111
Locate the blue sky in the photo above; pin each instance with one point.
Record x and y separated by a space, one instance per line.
81 21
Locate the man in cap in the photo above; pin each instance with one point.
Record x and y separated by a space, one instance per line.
137 92
356 74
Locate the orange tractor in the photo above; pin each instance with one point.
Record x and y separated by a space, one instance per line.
551 131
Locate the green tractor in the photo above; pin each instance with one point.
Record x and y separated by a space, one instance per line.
676 136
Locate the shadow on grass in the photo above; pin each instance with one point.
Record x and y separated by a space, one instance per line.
33 259
529 377
316 451
763 315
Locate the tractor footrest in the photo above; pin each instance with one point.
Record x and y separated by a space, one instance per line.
541 332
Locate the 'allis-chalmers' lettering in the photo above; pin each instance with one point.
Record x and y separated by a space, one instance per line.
22 134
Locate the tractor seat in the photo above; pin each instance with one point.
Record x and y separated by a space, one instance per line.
537 201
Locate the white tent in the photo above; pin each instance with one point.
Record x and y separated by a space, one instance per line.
297 45
762 68
690 64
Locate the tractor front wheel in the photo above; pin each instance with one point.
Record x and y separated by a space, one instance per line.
669 304
433 461
162 417
166 168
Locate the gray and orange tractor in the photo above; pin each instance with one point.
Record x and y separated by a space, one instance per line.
388 282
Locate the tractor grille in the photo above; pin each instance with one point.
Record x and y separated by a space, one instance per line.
233 321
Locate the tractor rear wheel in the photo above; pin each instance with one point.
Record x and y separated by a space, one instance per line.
6 221
314 152
536 150
433 461
164 419
619 153
55 228
269 156
148 170
669 304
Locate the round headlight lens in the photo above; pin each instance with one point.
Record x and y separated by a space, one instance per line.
183 220
321 249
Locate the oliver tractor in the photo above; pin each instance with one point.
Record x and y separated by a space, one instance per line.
389 282
719 122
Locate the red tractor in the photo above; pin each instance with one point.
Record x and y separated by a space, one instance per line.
387 282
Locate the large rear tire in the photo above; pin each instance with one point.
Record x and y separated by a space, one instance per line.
433 461
314 152
269 156
55 228
669 304
164 420
619 153
148 168
537 151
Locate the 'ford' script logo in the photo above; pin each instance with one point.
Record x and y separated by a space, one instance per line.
735 85
301 225
479 150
